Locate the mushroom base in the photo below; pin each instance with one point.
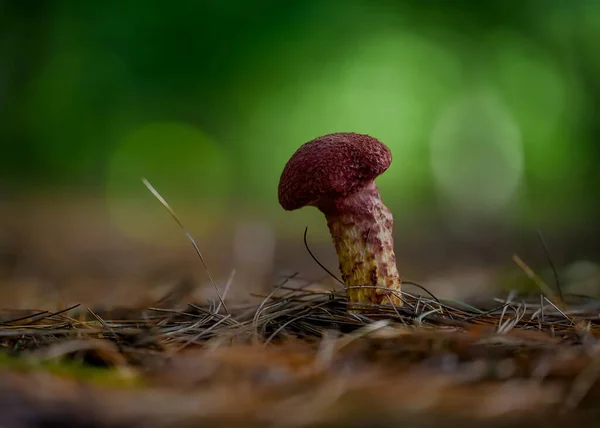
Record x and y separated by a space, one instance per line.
361 228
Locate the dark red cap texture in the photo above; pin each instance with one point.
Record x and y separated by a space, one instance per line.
331 166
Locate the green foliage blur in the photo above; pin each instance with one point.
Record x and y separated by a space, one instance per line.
489 107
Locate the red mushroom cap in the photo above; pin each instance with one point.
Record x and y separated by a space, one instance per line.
331 166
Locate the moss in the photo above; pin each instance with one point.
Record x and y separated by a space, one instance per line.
107 376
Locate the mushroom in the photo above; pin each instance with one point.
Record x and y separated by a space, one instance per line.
335 173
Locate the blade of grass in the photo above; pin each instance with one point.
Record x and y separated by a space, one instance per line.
189 236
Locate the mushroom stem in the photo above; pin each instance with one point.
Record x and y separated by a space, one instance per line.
361 228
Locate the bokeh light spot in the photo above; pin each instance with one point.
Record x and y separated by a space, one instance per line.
188 169
476 154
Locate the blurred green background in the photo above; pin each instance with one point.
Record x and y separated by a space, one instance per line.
490 108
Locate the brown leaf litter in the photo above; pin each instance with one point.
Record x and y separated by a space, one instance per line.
299 358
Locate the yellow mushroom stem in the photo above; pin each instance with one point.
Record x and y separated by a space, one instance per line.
361 228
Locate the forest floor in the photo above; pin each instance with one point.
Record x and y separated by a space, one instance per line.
292 356
299 358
